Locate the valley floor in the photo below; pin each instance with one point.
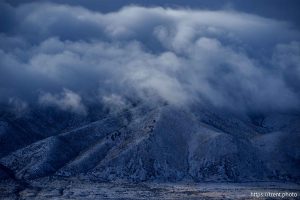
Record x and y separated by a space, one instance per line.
83 189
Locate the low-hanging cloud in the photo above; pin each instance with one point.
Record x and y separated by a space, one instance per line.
226 59
67 100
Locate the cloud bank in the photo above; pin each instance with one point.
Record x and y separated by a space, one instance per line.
69 56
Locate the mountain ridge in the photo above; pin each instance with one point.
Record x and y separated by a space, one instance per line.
164 143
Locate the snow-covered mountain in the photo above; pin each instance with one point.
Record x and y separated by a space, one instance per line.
162 143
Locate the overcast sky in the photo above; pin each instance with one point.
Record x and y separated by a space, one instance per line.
278 9
242 56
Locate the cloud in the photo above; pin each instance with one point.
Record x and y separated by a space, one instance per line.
287 58
115 103
67 101
19 107
225 59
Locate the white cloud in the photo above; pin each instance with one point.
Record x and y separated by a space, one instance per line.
223 58
67 100
115 102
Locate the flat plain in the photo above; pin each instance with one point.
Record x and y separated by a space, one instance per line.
75 188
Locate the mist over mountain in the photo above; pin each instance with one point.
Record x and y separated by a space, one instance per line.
68 56
149 92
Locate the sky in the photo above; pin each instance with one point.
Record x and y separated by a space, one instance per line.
239 56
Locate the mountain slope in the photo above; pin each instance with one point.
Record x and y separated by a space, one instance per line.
168 144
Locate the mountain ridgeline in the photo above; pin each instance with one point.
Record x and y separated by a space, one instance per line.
150 143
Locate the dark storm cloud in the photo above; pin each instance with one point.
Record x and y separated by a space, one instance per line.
64 56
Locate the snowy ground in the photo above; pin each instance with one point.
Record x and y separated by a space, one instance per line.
80 189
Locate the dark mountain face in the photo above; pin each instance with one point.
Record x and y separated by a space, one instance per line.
162 143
